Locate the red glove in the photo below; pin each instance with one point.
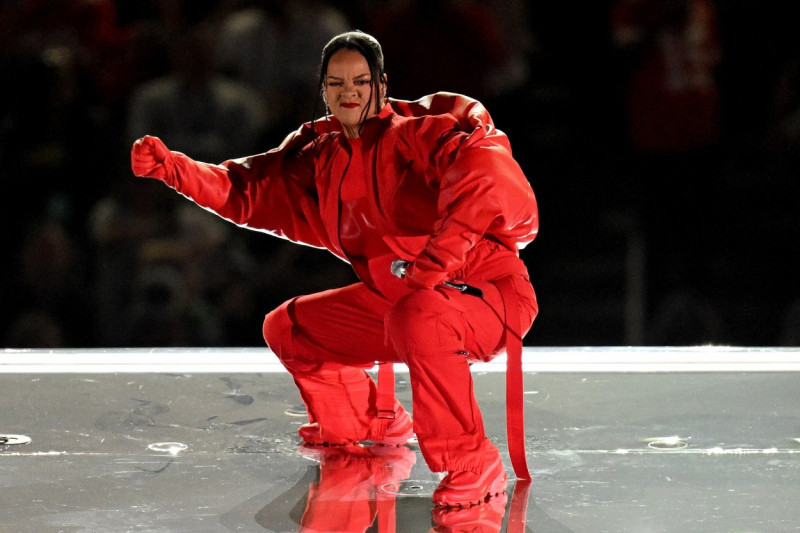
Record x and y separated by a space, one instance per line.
151 158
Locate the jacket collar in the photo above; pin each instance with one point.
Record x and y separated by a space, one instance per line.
369 132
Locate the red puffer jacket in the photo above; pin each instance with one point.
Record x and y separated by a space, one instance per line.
442 179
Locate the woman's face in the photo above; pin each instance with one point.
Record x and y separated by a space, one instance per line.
347 90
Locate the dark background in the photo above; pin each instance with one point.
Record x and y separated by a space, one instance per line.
696 245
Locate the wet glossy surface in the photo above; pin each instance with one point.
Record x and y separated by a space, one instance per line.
632 451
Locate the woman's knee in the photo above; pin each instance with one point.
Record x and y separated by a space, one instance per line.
280 334
277 330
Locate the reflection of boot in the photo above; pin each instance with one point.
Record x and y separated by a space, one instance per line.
484 518
346 497
397 434
392 464
463 489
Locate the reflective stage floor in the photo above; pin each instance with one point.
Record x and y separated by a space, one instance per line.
618 440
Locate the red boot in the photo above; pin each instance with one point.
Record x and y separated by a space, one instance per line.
463 489
399 432
311 435
486 518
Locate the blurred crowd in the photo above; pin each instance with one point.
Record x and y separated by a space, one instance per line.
662 138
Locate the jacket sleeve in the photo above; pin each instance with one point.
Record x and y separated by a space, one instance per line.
482 193
272 192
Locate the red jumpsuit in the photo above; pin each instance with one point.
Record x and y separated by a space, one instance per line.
432 182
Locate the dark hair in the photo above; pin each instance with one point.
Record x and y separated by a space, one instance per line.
366 45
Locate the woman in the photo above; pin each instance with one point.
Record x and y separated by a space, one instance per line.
432 183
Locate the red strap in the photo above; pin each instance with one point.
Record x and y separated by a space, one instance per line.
518 510
384 402
515 414
385 398
387 512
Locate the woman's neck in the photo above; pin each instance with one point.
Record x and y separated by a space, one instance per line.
352 132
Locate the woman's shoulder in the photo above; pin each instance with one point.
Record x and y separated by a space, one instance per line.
446 111
443 120
436 104
423 127
469 113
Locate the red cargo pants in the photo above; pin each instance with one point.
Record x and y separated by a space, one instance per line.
327 341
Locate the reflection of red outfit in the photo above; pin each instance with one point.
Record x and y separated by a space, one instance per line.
357 491
432 182
352 489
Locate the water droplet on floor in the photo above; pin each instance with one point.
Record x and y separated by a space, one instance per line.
173 448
